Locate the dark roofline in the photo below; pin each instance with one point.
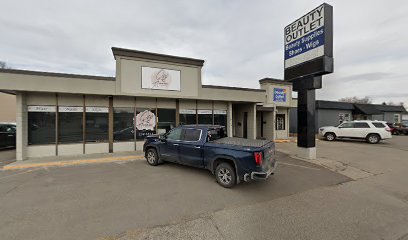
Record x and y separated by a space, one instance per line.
54 74
274 80
156 56
233 88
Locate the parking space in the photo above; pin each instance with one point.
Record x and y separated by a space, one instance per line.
89 201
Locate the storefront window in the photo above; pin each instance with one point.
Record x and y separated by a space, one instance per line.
145 123
70 129
97 126
41 125
166 120
220 117
187 116
205 117
123 129
280 122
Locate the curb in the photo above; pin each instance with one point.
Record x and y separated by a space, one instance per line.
73 162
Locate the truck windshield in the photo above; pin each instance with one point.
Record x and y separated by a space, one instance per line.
216 133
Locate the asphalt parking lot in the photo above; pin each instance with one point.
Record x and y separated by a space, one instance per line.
91 201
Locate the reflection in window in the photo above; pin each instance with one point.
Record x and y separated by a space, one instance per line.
280 122
41 125
123 129
70 124
145 122
187 116
97 126
166 120
205 117
220 118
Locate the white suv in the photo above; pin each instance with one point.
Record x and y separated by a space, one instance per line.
372 131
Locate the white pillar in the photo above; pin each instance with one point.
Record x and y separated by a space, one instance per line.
21 122
229 120
252 121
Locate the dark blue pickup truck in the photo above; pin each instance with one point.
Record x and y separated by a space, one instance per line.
231 160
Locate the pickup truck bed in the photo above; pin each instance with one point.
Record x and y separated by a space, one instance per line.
243 142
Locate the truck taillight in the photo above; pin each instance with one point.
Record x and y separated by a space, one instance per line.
258 158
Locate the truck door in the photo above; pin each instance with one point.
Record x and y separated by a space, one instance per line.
169 149
191 152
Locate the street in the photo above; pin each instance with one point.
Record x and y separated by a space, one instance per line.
132 200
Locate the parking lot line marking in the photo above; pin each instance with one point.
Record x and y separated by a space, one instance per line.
295 165
72 162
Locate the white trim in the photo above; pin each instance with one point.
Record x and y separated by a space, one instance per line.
70 109
187 111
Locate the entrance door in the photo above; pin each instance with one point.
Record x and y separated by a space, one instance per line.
245 133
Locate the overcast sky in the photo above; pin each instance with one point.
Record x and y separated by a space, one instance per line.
240 41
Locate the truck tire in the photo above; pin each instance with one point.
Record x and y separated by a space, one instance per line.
330 136
225 175
152 157
373 138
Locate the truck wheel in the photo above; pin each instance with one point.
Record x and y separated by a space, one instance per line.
225 175
330 136
373 138
152 157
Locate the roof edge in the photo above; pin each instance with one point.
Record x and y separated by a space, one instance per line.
274 80
124 52
233 88
55 74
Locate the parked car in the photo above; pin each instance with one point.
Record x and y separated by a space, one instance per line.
231 160
393 129
7 135
371 131
401 128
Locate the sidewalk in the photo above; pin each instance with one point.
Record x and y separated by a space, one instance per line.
58 161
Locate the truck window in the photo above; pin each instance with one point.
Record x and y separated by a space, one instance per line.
216 133
191 135
174 134
378 125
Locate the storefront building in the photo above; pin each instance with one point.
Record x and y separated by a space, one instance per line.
66 114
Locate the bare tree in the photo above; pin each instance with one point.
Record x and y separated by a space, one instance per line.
3 65
355 99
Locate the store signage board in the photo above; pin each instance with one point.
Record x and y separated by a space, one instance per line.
221 112
161 79
204 112
41 108
70 109
187 111
279 95
309 44
97 109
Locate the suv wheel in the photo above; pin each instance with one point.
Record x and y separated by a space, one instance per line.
330 136
225 175
373 138
152 157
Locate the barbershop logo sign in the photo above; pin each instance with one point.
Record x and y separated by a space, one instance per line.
304 38
162 79
279 95
145 120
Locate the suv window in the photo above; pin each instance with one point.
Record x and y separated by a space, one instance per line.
361 125
174 134
378 125
192 135
11 129
347 125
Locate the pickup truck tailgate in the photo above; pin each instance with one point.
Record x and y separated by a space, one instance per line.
268 156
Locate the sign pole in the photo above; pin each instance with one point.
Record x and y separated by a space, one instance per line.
308 56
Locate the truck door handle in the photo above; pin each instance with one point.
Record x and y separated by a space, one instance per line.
10 135
197 147
175 144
